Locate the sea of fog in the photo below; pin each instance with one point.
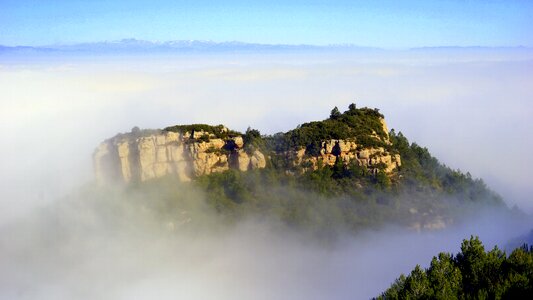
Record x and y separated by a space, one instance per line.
92 249
470 108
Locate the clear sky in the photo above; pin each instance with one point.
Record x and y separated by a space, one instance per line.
379 23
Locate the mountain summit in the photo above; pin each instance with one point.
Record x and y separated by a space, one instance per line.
346 170
357 138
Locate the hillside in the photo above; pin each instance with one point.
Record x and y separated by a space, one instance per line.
347 171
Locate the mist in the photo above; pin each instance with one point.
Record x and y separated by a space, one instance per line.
113 243
471 110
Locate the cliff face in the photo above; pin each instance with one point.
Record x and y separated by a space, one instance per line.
127 157
189 153
350 152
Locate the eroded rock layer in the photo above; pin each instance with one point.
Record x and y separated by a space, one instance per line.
372 158
127 157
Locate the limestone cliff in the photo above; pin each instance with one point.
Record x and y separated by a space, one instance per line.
128 157
349 152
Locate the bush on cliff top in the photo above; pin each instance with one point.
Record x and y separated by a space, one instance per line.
220 131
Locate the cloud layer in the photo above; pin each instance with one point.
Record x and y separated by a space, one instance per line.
471 110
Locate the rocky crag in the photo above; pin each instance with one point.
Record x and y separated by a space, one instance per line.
190 151
128 157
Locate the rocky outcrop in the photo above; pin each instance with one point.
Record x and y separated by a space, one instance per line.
349 152
128 157
144 155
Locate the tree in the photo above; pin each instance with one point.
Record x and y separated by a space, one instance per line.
335 113
470 260
252 140
444 277
251 134
339 171
383 180
472 274
417 285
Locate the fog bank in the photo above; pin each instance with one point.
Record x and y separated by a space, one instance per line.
90 246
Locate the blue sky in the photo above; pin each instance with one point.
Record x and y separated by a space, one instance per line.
379 23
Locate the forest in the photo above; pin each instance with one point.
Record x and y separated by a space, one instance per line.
473 273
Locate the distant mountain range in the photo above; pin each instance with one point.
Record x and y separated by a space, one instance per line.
180 46
193 46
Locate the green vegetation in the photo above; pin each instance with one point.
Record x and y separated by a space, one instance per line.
136 132
421 171
218 131
345 195
267 193
253 141
331 199
472 274
362 125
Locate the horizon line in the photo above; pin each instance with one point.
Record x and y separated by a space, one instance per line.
242 43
